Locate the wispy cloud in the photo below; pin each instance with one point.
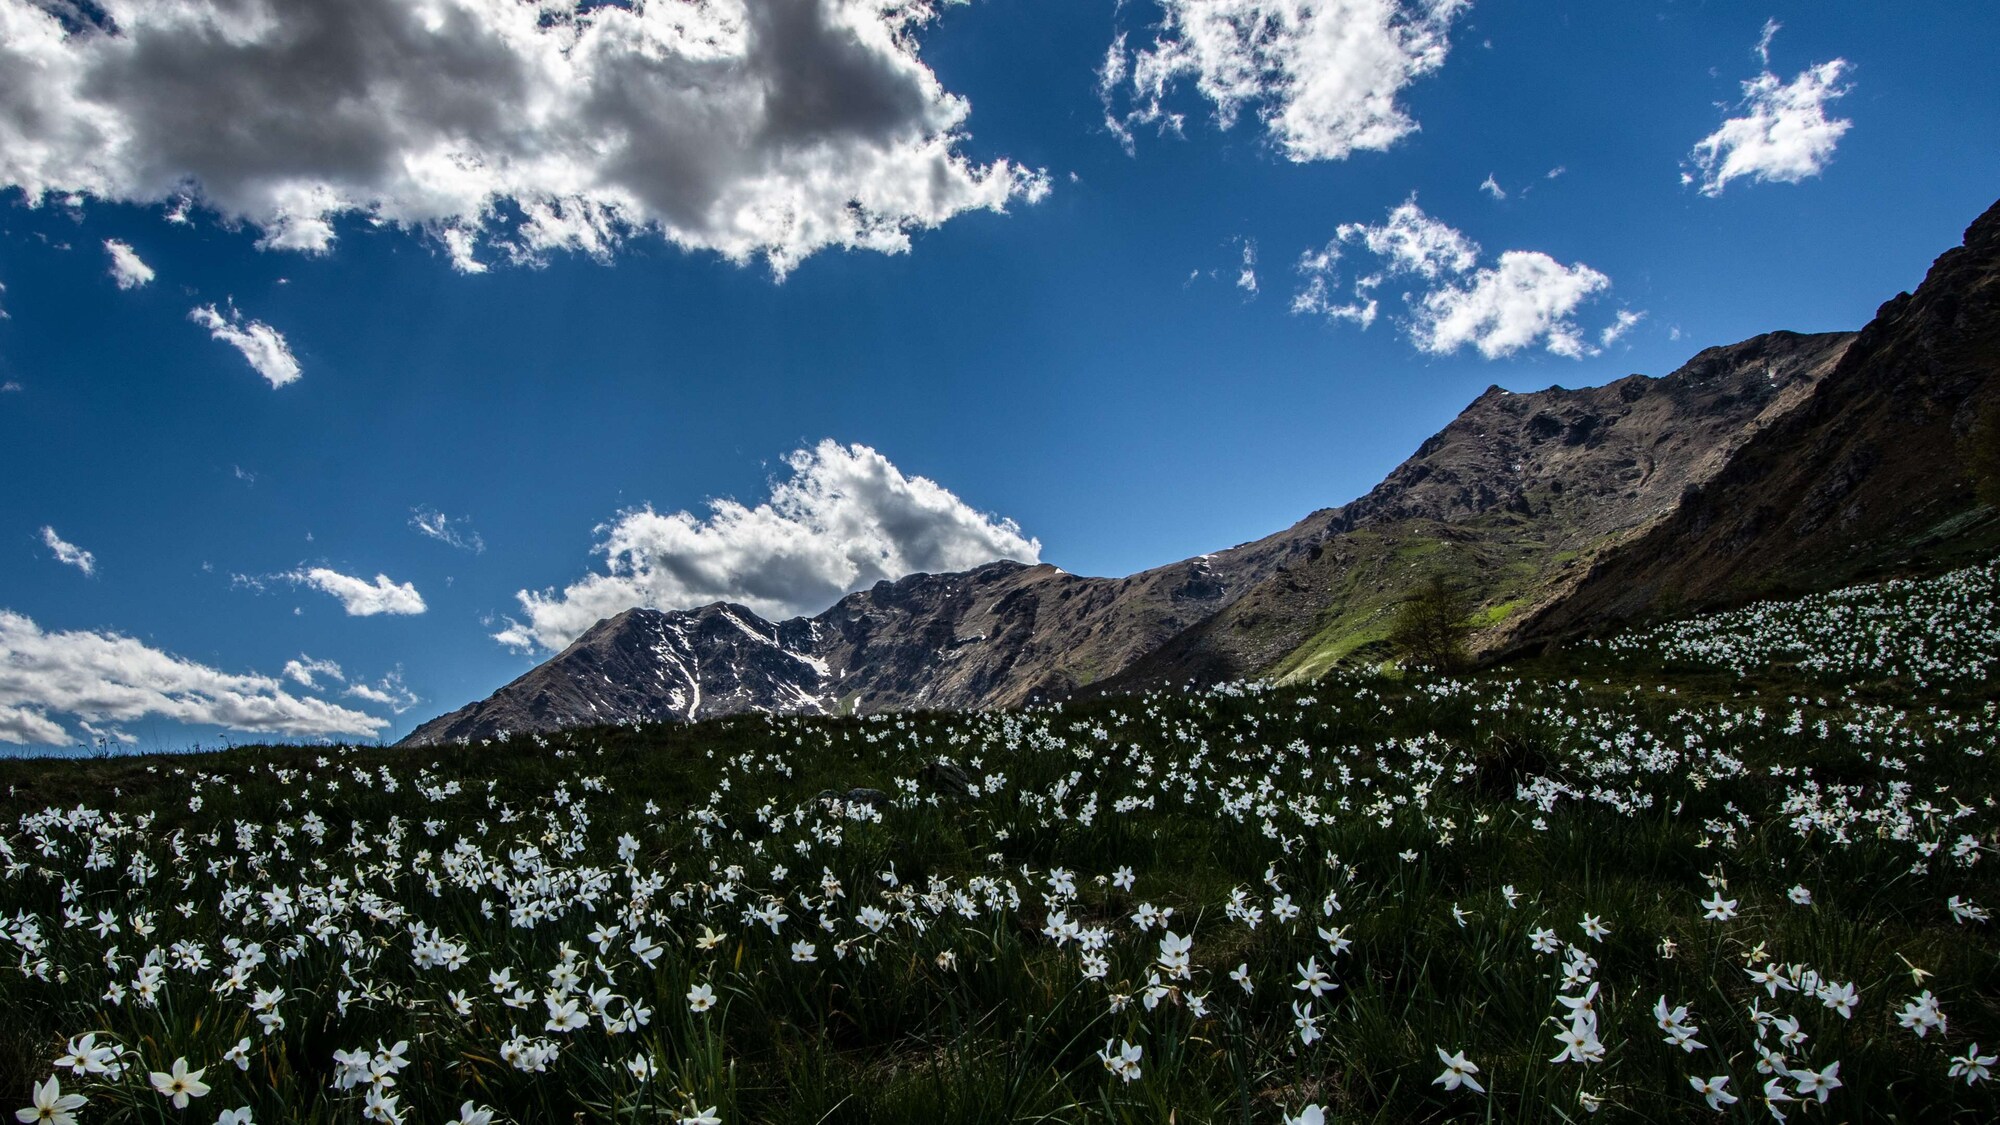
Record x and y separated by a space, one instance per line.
261 344
390 691
360 597
455 532
303 670
69 553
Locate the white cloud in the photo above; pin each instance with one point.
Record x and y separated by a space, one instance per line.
103 677
260 343
302 671
1763 48
69 553
1499 311
1412 242
127 269
10 387
390 691
746 127
455 532
360 597
1322 75
1317 299
1525 299
1625 322
843 520
1246 275
1783 135
1492 187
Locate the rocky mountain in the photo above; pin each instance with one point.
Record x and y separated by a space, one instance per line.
1561 509
1513 501
1879 472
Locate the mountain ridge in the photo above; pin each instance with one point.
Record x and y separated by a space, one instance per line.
1560 510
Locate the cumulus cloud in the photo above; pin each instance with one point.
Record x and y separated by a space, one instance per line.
127 268
459 533
1246 274
97 677
1525 298
844 519
1322 76
1410 242
359 597
303 670
69 553
1783 134
260 343
746 127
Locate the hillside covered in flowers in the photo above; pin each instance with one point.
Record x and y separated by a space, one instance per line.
1738 867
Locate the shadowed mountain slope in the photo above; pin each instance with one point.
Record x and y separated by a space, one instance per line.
1877 473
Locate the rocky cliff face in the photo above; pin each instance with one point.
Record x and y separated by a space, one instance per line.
1783 459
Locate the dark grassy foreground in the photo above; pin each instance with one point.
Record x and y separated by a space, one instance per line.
973 954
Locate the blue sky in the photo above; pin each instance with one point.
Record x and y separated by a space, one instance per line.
1041 318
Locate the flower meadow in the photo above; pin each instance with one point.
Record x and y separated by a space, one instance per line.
1589 887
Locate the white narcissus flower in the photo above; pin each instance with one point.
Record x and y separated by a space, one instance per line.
469 1115
1458 1071
238 1116
1973 1066
1310 1115
1820 1082
701 998
1712 1089
181 1084
51 1105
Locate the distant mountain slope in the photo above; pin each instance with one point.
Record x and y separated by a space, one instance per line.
1513 477
1513 499
1873 474
1786 460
